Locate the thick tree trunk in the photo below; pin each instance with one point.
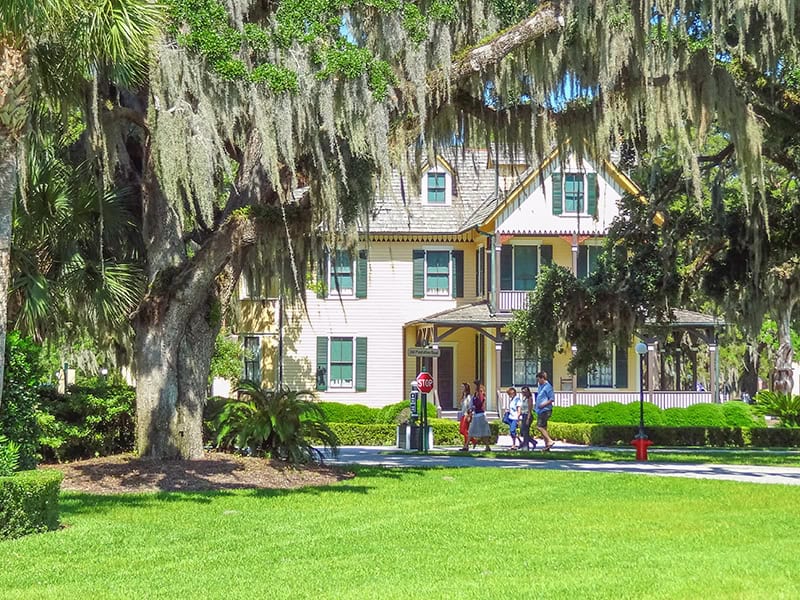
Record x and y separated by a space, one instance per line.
783 375
749 379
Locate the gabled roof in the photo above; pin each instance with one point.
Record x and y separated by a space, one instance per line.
476 315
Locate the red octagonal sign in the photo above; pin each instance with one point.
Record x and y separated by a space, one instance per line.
424 382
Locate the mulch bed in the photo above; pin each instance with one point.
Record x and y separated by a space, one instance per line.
215 471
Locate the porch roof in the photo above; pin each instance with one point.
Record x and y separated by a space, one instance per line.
476 315
691 318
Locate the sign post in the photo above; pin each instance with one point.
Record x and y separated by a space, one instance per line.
425 385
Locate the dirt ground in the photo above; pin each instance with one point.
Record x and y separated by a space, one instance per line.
215 471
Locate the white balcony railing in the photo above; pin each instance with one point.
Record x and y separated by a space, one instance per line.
512 300
662 399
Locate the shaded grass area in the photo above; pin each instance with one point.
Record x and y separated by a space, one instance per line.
790 458
414 533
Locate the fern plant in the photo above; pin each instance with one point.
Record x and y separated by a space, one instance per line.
777 404
9 456
278 423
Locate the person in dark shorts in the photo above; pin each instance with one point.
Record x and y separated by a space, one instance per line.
527 417
544 407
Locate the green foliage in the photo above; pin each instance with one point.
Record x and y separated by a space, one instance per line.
87 422
226 363
9 456
29 502
611 413
785 407
578 413
357 434
739 414
278 423
18 418
336 412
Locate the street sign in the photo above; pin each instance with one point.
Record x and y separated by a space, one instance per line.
425 382
418 351
414 397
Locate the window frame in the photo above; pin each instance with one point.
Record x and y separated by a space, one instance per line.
447 190
610 365
595 249
255 361
334 290
526 362
572 197
447 293
332 387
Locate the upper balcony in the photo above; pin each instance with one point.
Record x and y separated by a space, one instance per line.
512 300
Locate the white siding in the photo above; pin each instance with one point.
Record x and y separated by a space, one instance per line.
379 317
532 210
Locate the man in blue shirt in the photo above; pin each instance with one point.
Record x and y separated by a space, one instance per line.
544 407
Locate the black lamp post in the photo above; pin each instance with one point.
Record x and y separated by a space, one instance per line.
641 350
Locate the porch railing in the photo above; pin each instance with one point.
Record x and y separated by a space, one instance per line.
512 300
662 399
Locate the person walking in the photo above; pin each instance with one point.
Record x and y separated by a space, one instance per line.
479 426
544 407
465 414
525 420
514 415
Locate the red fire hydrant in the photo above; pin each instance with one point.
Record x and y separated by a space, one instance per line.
641 445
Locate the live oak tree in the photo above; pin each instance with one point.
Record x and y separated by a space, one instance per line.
265 130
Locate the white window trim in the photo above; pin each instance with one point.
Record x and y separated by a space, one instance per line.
591 244
449 294
538 368
333 291
573 213
448 186
260 361
336 389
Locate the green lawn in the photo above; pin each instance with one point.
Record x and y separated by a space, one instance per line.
789 458
441 533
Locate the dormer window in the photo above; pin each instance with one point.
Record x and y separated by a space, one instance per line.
342 270
437 187
575 194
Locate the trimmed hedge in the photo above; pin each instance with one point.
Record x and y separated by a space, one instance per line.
728 414
445 433
29 502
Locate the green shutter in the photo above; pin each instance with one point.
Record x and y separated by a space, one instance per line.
322 364
558 194
477 272
361 274
591 194
506 268
621 365
546 365
507 364
322 276
489 262
583 379
361 364
583 262
457 259
546 251
419 273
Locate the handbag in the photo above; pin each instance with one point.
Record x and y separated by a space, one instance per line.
507 417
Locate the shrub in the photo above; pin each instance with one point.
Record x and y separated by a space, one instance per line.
739 414
278 423
653 415
578 413
784 406
356 434
337 412
29 502
87 421
575 433
612 413
395 413
675 417
18 412
9 456
775 437
705 415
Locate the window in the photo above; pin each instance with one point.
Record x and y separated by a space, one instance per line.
573 192
252 358
437 273
341 370
525 366
342 363
519 265
587 260
519 368
610 373
437 188
526 267
342 270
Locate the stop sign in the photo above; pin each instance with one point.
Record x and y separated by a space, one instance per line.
424 382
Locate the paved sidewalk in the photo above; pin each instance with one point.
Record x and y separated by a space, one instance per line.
392 457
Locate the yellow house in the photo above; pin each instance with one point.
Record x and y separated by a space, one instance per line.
442 268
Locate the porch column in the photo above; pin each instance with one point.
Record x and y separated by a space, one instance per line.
435 374
574 378
496 271
651 369
712 371
498 347
575 254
